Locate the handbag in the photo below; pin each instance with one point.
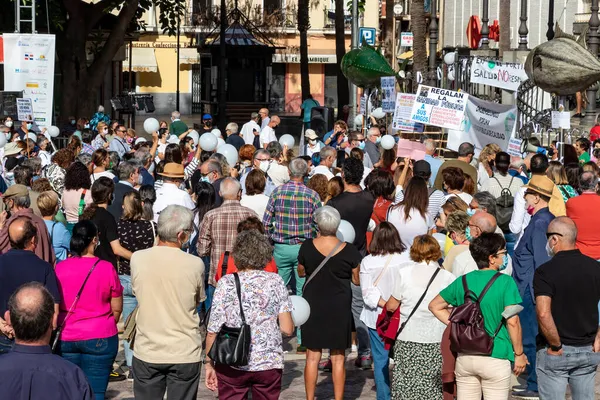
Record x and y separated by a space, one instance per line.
232 345
129 329
320 267
403 325
58 332
387 323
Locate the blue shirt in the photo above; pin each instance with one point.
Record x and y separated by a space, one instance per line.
236 141
531 251
18 267
119 145
61 239
33 372
435 164
516 174
147 178
307 105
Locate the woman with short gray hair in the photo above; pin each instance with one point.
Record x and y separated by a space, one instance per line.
327 291
267 309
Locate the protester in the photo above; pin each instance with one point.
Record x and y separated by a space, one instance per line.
86 138
119 144
61 160
582 147
233 136
144 157
30 370
557 173
43 144
89 338
170 192
218 228
59 235
436 198
264 115
255 199
477 374
372 144
211 172
330 297
381 185
338 137
466 151
319 183
289 222
128 178
262 376
24 175
167 354
410 216
101 140
417 354
378 271
102 163
251 129
485 170
328 159
502 179
109 247
582 210
267 133
569 338
177 126
434 162
335 187
76 194
313 145
454 181
530 253
456 225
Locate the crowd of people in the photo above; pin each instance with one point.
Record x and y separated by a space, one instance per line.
388 252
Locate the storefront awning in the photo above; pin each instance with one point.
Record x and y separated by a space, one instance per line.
189 56
143 60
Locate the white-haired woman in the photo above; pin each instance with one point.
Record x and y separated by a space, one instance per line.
329 295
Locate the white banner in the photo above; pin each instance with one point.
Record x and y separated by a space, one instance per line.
485 122
29 67
498 74
401 120
439 107
388 86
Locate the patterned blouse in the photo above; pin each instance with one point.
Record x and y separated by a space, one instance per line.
134 236
264 297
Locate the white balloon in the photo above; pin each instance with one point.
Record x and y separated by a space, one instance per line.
151 125
208 142
2 140
53 131
195 137
173 139
358 120
378 113
345 232
288 140
217 132
220 142
32 136
441 239
387 142
450 58
229 152
300 310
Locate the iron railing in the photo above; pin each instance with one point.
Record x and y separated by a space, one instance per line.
330 19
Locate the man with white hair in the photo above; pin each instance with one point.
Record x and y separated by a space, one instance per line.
372 144
434 163
218 228
233 136
99 117
251 129
328 158
289 222
267 134
177 126
169 285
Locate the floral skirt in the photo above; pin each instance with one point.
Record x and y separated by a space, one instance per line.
417 371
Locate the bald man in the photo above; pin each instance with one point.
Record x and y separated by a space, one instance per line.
267 134
480 222
30 370
567 291
263 113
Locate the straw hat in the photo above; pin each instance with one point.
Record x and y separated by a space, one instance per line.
173 170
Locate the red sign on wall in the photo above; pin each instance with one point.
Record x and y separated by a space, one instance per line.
1 50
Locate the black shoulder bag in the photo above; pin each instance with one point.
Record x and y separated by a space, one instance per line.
232 345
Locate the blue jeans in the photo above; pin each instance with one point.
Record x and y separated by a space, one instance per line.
576 367
6 344
529 325
129 304
95 357
381 366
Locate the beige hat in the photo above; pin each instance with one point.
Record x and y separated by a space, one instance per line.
310 134
173 170
540 184
16 191
11 149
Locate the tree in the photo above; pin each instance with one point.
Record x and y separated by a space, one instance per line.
343 93
389 31
419 30
504 25
303 27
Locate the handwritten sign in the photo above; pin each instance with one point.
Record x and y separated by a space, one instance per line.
561 119
498 74
439 107
401 120
388 86
514 147
413 150
24 110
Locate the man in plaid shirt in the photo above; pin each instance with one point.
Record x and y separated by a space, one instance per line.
289 222
218 229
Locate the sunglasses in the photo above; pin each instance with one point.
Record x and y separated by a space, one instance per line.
550 234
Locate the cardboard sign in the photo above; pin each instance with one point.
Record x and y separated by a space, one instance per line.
24 110
401 120
388 86
514 147
439 107
498 74
413 150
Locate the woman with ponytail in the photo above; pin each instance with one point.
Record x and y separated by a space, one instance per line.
89 337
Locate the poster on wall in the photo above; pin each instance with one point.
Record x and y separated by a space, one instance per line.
439 107
388 86
503 75
485 122
29 67
401 120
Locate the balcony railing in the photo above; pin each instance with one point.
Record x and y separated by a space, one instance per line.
330 20
210 18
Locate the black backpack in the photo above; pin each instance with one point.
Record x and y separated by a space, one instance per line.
504 206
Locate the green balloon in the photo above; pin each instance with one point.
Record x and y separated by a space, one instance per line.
365 66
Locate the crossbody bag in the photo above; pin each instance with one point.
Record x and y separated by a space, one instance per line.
320 267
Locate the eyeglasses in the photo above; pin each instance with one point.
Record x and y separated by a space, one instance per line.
550 234
501 253
262 159
122 131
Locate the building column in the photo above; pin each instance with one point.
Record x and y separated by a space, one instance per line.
593 41
433 41
485 29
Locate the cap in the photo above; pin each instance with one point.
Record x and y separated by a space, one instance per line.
421 168
310 134
173 170
16 191
207 116
540 184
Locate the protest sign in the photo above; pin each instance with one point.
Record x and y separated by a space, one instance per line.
413 150
363 104
561 120
439 107
24 110
406 39
485 122
498 74
401 120
388 86
514 147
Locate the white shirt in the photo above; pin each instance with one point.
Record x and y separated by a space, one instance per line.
247 131
169 194
371 268
160 150
409 286
312 150
265 122
409 229
267 135
97 175
323 170
482 176
45 157
464 263
495 188
279 174
519 219
257 203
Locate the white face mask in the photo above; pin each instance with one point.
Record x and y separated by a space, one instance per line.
312 142
264 165
105 131
9 124
140 179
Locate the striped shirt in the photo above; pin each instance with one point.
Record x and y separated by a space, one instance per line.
288 218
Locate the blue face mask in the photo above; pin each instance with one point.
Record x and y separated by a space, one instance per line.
504 262
87 126
205 179
468 234
378 140
361 145
471 212
29 126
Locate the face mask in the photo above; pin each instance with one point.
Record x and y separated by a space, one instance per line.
530 210
549 250
73 122
334 165
205 179
87 126
9 124
140 180
504 263
378 140
264 165
312 142
468 234
361 145
470 212
129 140
29 126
